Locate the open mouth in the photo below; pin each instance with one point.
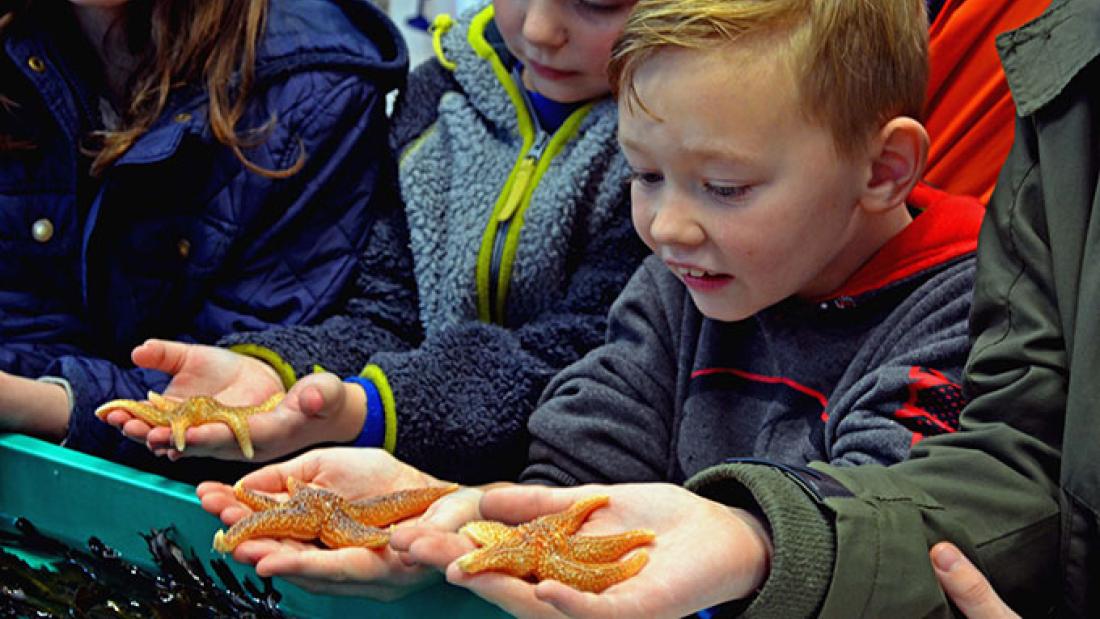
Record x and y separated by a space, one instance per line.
701 279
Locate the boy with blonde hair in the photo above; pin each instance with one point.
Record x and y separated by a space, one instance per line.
807 299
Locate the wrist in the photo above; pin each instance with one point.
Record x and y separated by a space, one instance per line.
38 408
757 547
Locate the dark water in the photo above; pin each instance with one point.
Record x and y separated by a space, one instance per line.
96 582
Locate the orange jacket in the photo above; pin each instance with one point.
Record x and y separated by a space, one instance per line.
969 112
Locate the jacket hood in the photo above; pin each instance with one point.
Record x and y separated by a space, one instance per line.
354 35
945 230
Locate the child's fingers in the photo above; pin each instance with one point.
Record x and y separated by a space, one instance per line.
311 401
514 595
317 391
514 504
272 478
572 602
429 546
157 437
452 511
162 355
966 586
134 429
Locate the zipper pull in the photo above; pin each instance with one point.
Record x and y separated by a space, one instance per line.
519 185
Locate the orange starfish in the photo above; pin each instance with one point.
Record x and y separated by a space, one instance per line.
547 548
160 411
316 513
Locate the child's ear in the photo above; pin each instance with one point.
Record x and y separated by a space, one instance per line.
897 158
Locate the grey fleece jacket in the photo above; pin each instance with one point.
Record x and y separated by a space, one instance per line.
853 379
513 279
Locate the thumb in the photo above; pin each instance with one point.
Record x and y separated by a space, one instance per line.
318 393
966 586
162 355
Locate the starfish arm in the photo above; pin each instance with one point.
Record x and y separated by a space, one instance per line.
518 561
179 431
600 548
340 531
141 410
594 577
161 403
238 423
486 532
254 500
395 506
571 519
267 406
298 522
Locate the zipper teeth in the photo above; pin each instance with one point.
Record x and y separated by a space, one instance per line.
500 235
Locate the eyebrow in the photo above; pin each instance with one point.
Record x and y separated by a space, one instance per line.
708 149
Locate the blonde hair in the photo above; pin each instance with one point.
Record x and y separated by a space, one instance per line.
183 43
857 63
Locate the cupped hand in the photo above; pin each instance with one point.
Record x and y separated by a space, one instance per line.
705 553
197 370
314 411
354 473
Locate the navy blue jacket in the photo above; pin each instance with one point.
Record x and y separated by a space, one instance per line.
177 239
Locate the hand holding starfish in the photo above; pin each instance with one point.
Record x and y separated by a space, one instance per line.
314 411
705 553
196 370
354 473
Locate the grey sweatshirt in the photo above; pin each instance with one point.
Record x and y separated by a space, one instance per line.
853 379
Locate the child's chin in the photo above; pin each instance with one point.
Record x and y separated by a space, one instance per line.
723 314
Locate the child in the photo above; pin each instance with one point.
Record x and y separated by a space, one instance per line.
176 169
520 239
794 309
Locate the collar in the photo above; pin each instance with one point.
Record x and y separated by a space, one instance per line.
1043 56
946 228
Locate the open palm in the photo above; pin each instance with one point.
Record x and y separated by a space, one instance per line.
197 370
704 553
354 473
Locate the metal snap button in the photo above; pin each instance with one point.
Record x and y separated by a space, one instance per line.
36 64
42 230
182 117
184 248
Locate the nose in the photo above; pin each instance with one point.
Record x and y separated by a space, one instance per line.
673 221
543 25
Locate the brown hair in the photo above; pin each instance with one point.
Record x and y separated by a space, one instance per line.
212 43
857 63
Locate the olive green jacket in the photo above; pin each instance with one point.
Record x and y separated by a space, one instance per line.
1019 488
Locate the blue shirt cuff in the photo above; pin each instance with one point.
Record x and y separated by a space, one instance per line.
374 422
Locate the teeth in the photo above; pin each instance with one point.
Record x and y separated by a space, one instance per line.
693 272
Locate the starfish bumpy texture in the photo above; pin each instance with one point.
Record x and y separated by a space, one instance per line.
316 513
160 411
548 549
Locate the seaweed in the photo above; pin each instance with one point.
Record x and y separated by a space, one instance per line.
97 582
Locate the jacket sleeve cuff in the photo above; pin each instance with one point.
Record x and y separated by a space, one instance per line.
386 406
802 534
373 433
270 357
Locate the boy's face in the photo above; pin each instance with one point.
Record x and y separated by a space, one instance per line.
564 45
739 193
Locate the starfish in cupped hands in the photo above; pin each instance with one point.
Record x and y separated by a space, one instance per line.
547 548
193 411
315 513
